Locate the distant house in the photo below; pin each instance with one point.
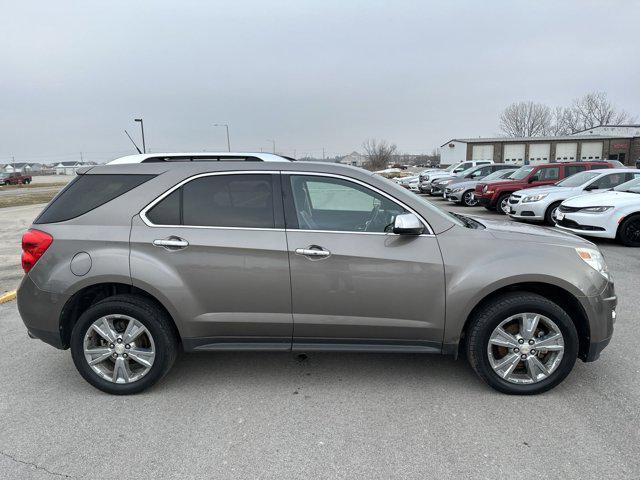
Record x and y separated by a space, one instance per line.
21 167
354 158
70 168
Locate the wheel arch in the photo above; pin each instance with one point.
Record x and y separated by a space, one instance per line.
562 297
91 294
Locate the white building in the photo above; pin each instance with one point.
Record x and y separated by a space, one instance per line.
354 158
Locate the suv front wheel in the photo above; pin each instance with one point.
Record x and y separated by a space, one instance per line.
123 344
521 343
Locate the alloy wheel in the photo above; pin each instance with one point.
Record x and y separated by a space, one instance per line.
525 348
469 199
119 348
504 205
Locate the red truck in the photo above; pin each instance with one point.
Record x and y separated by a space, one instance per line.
495 195
14 179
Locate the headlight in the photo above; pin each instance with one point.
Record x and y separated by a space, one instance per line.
595 260
484 189
446 182
534 198
459 189
490 192
595 209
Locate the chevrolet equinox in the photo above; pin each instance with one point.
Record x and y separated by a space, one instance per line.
136 260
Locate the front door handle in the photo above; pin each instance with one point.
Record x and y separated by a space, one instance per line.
313 251
171 243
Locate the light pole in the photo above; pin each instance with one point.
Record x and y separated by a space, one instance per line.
273 142
144 146
225 125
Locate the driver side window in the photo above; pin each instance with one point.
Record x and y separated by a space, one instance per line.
327 203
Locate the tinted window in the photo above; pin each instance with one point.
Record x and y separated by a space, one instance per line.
599 166
573 169
324 203
87 192
610 181
167 211
219 201
549 173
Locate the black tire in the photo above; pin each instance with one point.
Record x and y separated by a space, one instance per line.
501 199
152 317
629 231
492 314
548 215
466 199
489 207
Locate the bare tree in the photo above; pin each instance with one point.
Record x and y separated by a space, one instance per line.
526 119
378 152
592 110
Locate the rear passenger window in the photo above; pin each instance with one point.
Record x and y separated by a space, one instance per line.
549 173
599 166
219 201
87 192
573 169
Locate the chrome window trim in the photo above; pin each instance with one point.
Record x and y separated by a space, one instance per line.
149 223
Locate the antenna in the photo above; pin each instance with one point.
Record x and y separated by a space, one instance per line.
134 143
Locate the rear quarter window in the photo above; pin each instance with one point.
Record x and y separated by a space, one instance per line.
87 192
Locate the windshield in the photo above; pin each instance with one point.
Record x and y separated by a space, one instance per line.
632 186
578 179
451 168
4 175
522 172
435 209
498 174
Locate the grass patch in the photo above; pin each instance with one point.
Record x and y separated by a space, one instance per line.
30 199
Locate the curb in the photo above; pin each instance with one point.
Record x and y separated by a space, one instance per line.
7 297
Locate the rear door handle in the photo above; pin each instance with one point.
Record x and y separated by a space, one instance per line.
171 243
313 252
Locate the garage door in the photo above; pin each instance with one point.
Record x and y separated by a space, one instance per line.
566 152
513 152
591 151
482 152
539 153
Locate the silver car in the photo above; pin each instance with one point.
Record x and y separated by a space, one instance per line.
133 262
540 204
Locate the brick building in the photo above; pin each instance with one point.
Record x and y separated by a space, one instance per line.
607 142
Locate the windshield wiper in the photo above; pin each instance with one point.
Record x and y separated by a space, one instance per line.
468 222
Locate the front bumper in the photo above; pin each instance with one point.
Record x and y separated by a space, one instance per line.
40 312
593 225
526 211
600 311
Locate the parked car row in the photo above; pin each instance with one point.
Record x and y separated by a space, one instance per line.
587 198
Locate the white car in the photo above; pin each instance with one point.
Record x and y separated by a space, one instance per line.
611 214
410 182
541 203
453 170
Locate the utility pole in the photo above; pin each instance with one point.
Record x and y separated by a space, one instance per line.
13 163
81 159
144 147
322 153
274 145
225 125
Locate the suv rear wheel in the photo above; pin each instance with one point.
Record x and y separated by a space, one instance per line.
521 343
123 344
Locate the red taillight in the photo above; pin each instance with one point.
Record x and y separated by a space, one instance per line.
34 244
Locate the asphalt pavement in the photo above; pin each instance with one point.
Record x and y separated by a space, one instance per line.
331 415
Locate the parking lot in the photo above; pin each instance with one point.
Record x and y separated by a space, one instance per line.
330 415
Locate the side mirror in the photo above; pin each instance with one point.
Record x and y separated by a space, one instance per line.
591 187
407 224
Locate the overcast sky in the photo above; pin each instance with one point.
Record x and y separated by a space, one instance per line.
307 74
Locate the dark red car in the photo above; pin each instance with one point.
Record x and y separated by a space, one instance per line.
495 195
14 179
